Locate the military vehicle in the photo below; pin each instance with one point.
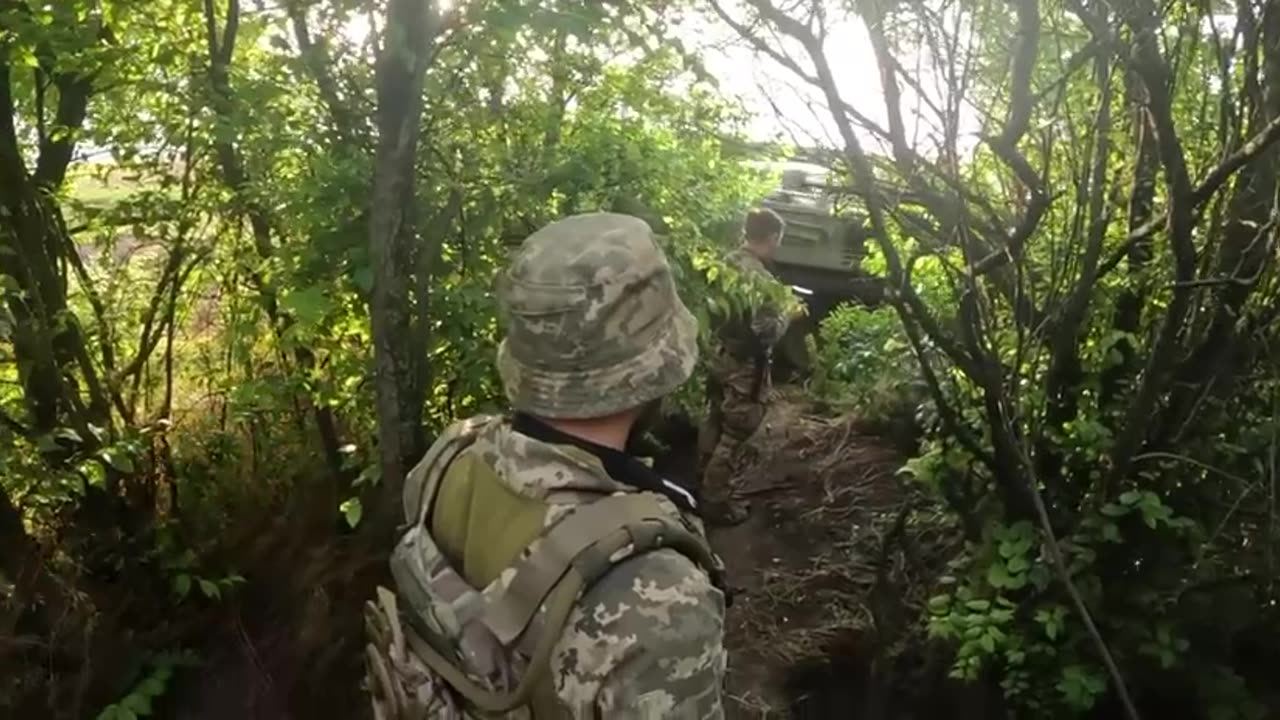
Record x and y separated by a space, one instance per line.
821 254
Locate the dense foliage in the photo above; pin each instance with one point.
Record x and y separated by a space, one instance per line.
245 276
1089 291
185 347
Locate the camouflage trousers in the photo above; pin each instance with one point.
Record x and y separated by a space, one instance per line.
734 414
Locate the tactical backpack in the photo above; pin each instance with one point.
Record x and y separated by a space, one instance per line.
441 649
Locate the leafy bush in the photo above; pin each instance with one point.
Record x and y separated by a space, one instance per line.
865 362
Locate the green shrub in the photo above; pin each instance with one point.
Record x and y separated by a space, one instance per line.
865 362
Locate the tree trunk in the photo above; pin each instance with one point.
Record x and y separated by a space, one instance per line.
400 371
22 563
33 245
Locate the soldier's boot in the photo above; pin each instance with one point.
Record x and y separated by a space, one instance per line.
721 507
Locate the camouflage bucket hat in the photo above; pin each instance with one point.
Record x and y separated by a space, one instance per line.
594 323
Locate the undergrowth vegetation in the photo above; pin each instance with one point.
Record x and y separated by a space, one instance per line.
1088 291
245 278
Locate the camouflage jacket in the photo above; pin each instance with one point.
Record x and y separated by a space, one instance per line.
646 640
767 324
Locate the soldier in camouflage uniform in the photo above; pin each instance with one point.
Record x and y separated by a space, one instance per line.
546 572
738 382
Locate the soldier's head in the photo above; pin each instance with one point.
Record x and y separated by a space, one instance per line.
762 232
596 332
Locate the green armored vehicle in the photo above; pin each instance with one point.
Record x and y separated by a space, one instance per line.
821 253
820 256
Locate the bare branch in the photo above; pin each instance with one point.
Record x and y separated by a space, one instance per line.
1248 152
888 83
316 59
1150 66
1024 62
1203 192
1015 127
865 180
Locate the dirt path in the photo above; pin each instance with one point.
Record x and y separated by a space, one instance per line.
836 553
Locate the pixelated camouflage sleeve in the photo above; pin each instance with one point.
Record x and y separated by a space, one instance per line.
646 641
769 324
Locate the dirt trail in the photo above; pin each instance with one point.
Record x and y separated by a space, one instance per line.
830 570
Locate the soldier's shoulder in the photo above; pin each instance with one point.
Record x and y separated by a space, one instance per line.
738 256
650 632
471 426
458 436
744 261
657 580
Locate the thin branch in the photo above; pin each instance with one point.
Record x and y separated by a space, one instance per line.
1015 127
1253 148
317 60
149 339
74 91
1203 192
875 23
1024 61
1151 67
1079 59
1077 600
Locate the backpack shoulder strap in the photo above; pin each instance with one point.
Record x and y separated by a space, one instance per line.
584 545
571 555
423 481
539 592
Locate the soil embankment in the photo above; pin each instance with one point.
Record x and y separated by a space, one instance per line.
830 571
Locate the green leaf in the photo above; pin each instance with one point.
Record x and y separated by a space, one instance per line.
1111 533
1015 547
1018 564
363 278
998 575
210 589
370 474
978 605
182 585
138 703
154 685
1040 576
1130 498
352 510
118 460
66 433
26 56
1114 510
988 643
308 305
